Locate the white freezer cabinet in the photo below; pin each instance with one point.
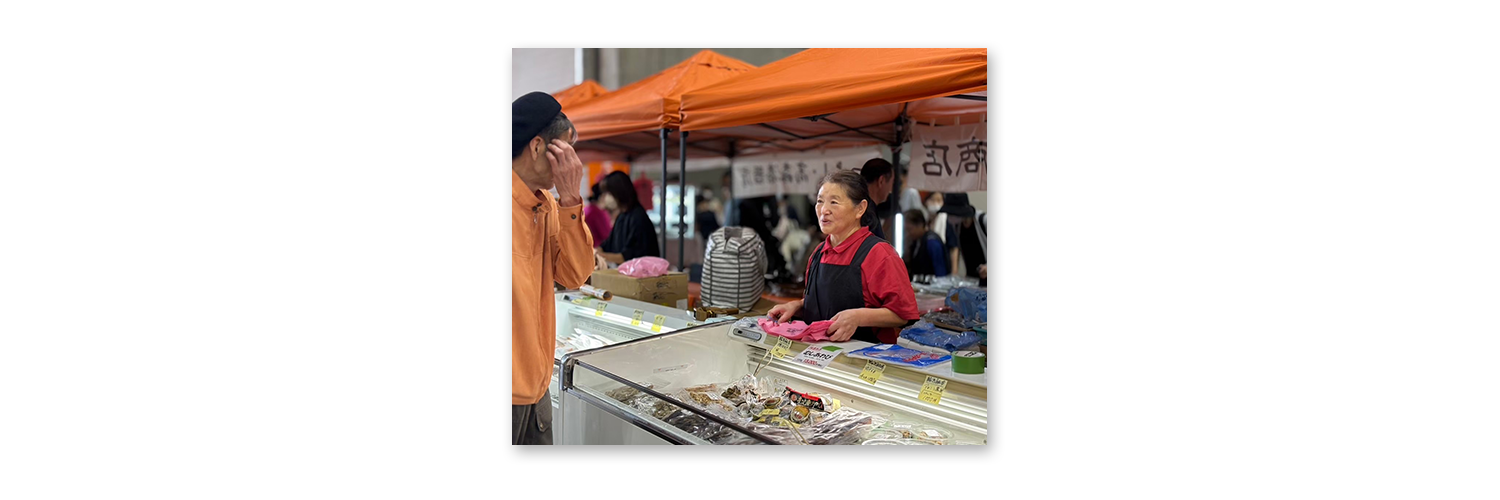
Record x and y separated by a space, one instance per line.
719 384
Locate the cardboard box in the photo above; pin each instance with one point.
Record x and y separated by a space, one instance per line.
667 289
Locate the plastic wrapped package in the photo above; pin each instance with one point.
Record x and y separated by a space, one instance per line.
904 427
644 267
933 434
752 324
745 402
883 442
894 354
883 434
971 303
845 426
926 334
916 442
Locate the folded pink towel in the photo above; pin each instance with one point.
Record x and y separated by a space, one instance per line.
796 330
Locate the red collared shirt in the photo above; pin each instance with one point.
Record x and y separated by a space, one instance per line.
883 274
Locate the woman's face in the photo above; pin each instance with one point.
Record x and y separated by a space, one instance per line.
935 200
608 202
836 213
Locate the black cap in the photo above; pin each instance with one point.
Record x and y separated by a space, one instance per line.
957 204
528 116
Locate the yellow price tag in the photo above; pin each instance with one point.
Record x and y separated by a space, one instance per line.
657 322
783 347
635 319
770 412
872 372
580 301
693 324
932 390
599 308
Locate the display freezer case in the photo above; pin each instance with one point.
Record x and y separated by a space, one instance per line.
694 386
584 322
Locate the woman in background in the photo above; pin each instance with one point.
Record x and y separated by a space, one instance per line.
633 235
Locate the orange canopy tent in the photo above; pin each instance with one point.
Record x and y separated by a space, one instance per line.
841 95
578 94
652 103
636 119
867 90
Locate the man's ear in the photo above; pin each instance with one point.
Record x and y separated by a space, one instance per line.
538 148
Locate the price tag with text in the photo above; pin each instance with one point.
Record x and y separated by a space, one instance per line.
783 347
635 319
580 301
657 322
932 390
872 372
599 308
819 356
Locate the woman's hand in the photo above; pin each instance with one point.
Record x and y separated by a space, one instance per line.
783 313
844 325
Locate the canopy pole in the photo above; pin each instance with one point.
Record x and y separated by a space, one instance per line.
682 137
896 181
663 207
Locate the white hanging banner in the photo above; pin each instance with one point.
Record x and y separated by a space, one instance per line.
793 173
949 158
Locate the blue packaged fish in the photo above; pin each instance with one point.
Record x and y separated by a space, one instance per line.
894 354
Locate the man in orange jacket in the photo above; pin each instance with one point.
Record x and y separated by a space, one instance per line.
551 243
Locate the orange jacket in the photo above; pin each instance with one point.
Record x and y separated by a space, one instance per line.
550 243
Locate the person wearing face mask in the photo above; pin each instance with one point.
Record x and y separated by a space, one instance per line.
853 281
633 234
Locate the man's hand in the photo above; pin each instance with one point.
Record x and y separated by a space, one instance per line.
982 273
567 172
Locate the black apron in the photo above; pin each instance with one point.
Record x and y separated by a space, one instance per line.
834 289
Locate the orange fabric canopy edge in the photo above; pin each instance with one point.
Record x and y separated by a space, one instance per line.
654 102
578 94
822 81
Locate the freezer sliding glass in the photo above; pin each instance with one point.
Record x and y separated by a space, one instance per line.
719 384
585 322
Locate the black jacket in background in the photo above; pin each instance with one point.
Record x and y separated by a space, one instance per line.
633 235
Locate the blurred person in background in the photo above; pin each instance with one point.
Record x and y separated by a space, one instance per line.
633 235
925 254
598 219
879 177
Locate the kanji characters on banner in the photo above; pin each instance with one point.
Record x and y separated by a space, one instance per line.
796 173
948 158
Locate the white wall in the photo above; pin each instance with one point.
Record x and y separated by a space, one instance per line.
545 70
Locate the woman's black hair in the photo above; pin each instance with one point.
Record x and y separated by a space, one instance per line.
858 191
594 193
618 185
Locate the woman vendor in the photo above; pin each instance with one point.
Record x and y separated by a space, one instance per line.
854 279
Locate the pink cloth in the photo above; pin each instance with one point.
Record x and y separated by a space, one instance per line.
796 330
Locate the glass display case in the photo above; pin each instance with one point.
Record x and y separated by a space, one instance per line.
721 384
584 323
